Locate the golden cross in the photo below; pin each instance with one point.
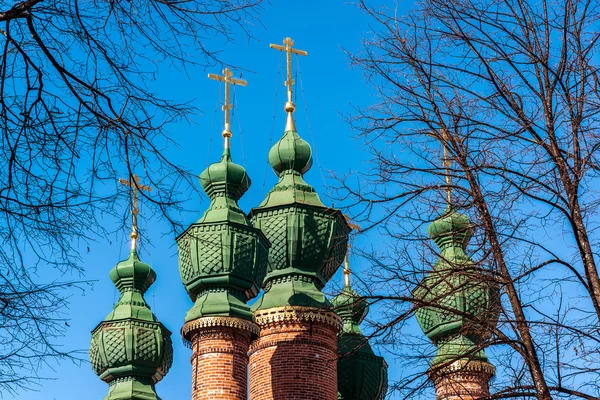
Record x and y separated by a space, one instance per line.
347 270
227 78
447 165
134 183
289 106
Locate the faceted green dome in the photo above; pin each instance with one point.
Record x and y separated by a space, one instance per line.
225 176
351 307
450 228
362 375
130 349
461 298
222 257
132 273
291 152
308 240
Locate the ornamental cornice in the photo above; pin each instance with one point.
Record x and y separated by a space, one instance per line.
462 366
295 314
213 322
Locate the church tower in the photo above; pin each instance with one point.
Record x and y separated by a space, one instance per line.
458 307
131 350
222 262
362 375
295 356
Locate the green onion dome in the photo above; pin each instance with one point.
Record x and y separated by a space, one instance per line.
224 182
458 301
351 307
291 153
308 240
362 375
130 349
222 257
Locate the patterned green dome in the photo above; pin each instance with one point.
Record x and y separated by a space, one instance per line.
222 257
291 153
308 240
450 228
458 299
130 349
352 309
362 375
224 182
225 176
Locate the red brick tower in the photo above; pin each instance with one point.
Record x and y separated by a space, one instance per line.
222 261
219 357
295 356
463 380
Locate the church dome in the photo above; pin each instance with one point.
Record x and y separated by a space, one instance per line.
308 240
222 257
451 227
350 306
130 349
291 152
461 298
362 375
225 176
132 273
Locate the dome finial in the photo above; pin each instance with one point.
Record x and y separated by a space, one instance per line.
227 78
134 184
447 164
347 270
290 107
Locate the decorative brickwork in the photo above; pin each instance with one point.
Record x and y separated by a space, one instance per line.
295 356
219 357
462 380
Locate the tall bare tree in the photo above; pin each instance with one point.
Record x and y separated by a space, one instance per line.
78 110
511 87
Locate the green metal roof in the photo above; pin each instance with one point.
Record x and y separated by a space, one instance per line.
130 349
458 300
362 375
222 257
308 240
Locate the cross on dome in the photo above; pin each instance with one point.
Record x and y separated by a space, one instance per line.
135 185
227 106
290 107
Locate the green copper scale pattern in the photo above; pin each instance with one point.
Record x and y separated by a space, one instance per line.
130 349
308 240
222 257
362 375
459 301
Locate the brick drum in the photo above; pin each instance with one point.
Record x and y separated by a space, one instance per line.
466 382
219 363
294 359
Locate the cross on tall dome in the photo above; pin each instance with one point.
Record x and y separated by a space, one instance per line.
289 106
227 78
447 165
135 185
347 271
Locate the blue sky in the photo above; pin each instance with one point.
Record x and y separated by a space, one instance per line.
328 90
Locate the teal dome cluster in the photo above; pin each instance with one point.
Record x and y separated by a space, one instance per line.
362 375
131 350
222 257
308 240
458 301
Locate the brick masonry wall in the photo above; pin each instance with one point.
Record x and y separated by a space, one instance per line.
294 360
219 363
462 385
